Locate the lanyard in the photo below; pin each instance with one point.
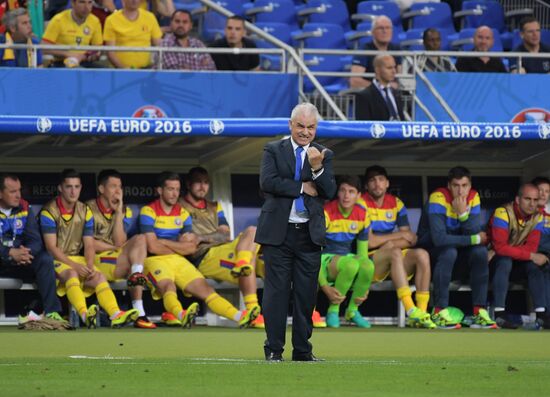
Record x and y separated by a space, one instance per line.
11 243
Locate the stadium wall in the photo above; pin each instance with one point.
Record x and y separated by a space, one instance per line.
114 93
486 97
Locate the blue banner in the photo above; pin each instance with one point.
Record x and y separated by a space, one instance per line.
487 97
137 93
251 127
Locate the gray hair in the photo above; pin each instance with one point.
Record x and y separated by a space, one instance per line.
305 108
10 18
379 19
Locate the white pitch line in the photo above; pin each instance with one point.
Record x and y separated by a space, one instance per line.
107 357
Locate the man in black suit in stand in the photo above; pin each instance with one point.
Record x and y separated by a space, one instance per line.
380 101
296 177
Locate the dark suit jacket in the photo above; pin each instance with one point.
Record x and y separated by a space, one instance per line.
280 189
371 105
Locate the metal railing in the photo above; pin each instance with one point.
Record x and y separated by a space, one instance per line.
291 52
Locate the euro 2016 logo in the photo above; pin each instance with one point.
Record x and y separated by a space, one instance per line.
377 131
544 131
216 127
43 124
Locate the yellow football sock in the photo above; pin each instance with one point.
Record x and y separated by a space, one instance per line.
172 304
221 306
250 301
422 299
404 294
106 298
76 296
244 258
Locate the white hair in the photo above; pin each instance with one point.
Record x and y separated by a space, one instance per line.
305 108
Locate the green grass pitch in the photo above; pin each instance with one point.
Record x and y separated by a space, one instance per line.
383 361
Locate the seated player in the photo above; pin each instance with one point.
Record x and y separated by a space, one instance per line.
167 228
543 184
341 268
217 257
515 230
118 257
450 230
391 249
67 228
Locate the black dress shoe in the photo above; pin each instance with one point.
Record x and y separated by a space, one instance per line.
274 357
307 357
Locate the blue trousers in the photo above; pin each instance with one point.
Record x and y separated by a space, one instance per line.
444 260
41 269
537 280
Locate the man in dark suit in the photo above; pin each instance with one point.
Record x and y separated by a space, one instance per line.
380 101
296 177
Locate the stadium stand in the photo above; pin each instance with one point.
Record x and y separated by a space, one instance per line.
283 11
430 15
326 11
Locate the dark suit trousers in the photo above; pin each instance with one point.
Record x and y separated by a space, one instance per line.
292 267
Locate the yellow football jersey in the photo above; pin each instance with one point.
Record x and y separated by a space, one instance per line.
138 33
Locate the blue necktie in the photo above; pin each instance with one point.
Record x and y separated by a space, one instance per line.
389 104
299 202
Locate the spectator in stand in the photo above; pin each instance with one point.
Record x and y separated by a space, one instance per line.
161 8
380 101
131 27
432 42
234 38
19 31
529 29
483 42
5 6
180 26
382 31
76 26
515 230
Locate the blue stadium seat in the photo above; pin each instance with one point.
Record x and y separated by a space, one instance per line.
273 11
280 31
430 15
477 13
327 63
213 23
193 6
321 35
326 11
368 10
413 40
